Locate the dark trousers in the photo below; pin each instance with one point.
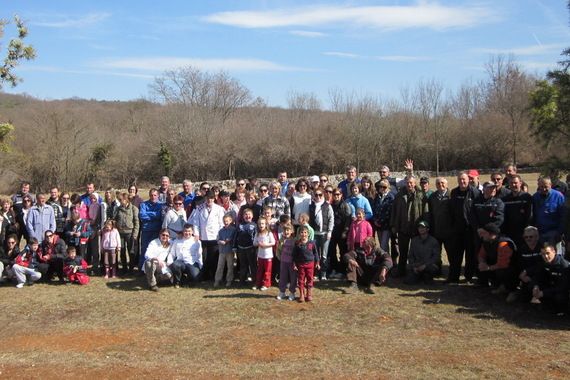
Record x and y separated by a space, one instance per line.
506 277
404 247
191 271
210 255
247 263
93 255
337 248
127 257
464 241
364 274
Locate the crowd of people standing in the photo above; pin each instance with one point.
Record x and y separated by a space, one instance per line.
294 232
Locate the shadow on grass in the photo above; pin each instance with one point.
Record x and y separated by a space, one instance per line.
254 294
481 304
134 284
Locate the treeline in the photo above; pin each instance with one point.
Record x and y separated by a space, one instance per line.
201 126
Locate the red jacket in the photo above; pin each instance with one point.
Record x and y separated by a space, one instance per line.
357 233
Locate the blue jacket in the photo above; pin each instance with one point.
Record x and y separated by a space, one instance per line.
360 201
549 211
40 219
150 215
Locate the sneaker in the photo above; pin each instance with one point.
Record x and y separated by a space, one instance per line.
352 289
176 286
20 285
281 296
324 277
292 297
263 288
254 288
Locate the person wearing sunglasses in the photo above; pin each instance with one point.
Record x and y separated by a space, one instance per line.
527 257
338 246
301 200
175 218
321 218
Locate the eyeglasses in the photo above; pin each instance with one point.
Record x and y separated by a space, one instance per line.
302 185
319 194
165 235
26 200
241 184
324 180
205 188
328 191
496 179
383 187
263 190
178 203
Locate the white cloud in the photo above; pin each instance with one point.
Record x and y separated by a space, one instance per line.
401 58
421 15
306 33
524 50
73 22
210 64
343 55
531 65
53 69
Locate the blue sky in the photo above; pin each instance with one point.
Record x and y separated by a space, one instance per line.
113 49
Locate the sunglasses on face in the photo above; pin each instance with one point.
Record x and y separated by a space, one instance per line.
319 195
324 180
328 191
165 235
241 184
263 190
178 203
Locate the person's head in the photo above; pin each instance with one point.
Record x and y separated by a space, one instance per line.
225 197
240 195
251 197
109 195
204 188
54 193
473 175
216 189
41 199
489 232
384 172
164 235
350 173
274 189
497 178
11 241
164 182
304 218
187 231
319 194
93 198
463 181
109 225
228 220
366 183
303 234
510 170
153 195
27 201
25 187
424 184
489 189
360 214
544 185
133 190
515 183
75 217
253 181
187 186
354 189
240 184
411 184
284 219
382 186
65 198
323 180
548 252
124 199
282 177
441 184
267 212
262 225
170 194
336 196
49 236
34 244
302 185
6 204
263 190
530 236
370 244
287 231
90 188
178 202
315 182
423 228
210 198
71 252
247 215
291 189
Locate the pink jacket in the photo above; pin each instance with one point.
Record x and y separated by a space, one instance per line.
111 240
357 233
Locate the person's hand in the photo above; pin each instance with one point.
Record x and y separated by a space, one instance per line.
221 242
382 276
409 164
354 263
295 268
317 266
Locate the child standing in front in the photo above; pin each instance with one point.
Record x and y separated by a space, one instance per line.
306 259
243 245
226 237
264 241
111 243
359 231
287 274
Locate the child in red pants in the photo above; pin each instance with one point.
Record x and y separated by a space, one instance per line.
306 259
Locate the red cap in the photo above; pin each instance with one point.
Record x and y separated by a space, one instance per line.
473 173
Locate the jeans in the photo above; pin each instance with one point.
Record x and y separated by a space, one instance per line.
180 267
323 249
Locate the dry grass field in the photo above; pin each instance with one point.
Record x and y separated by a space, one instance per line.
119 329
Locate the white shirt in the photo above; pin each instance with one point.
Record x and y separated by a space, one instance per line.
155 250
264 253
208 221
174 221
188 251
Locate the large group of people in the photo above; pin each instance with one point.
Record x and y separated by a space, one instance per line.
292 233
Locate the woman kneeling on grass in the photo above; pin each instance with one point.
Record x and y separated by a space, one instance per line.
306 259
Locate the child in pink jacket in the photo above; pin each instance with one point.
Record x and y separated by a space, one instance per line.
111 245
359 230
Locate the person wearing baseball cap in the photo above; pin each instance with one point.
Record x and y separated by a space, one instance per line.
424 258
474 179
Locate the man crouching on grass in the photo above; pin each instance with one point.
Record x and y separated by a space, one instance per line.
367 265
157 256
